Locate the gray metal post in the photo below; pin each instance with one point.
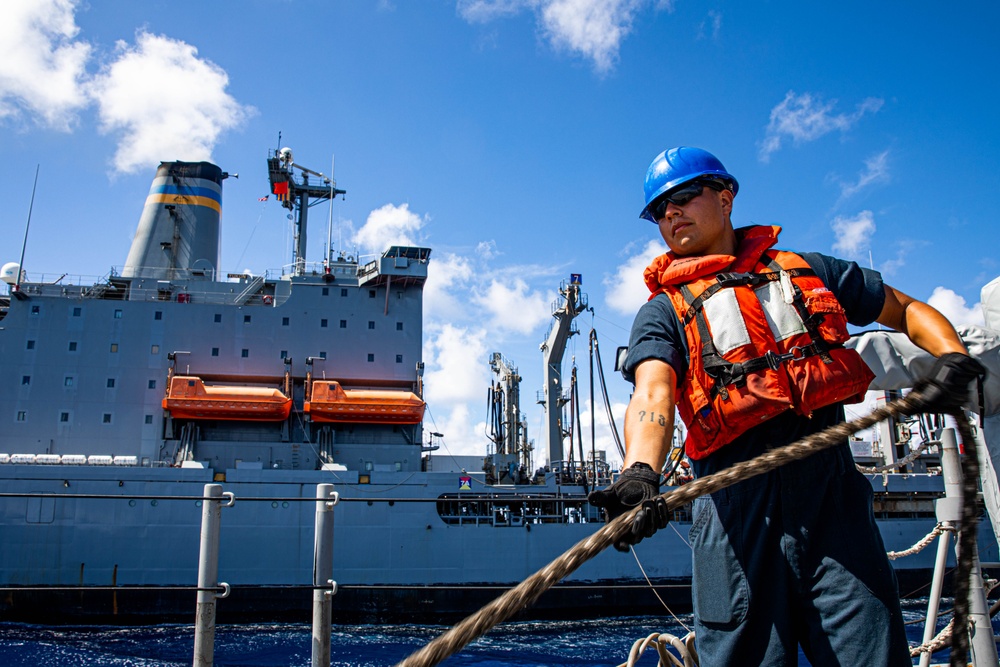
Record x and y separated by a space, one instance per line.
949 509
208 576
983 649
323 585
937 583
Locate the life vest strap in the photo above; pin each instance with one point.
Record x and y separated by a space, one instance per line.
726 280
728 374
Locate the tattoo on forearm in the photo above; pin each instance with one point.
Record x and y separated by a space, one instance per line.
654 418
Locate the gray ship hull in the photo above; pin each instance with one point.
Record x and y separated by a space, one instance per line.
136 552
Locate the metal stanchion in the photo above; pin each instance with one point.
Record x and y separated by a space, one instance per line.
949 511
208 575
324 587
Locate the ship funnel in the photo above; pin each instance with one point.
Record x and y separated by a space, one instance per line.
178 233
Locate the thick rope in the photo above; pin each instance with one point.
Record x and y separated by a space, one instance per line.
922 544
895 465
686 654
527 592
967 538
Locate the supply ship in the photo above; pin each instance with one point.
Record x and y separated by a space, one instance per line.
122 397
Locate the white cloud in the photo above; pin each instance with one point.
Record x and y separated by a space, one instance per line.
853 234
389 225
626 290
441 298
484 11
952 306
457 363
876 171
512 306
804 118
185 124
463 434
42 67
592 28
711 26
603 439
487 250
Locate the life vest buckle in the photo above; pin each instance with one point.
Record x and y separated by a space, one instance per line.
736 279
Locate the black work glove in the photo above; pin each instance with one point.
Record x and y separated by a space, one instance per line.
637 485
946 387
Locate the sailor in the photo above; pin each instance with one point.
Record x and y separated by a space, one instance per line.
746 341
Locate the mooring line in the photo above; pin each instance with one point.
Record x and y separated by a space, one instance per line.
528 591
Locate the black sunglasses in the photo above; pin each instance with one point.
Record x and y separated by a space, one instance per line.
682 196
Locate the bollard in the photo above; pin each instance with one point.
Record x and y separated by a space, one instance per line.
208 575
323 585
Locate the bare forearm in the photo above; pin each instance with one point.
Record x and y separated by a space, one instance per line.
649 419
922 324
648 433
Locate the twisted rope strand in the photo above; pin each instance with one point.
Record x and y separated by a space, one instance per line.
527 592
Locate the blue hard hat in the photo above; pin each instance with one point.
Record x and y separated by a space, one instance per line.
677 166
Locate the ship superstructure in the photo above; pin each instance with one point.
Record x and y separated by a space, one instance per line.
121 397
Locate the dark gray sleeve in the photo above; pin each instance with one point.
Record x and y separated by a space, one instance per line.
859 290
656 334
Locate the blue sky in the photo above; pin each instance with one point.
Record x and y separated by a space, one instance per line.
512 137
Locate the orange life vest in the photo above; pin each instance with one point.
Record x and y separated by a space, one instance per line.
764 335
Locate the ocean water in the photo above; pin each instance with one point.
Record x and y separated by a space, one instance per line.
595 643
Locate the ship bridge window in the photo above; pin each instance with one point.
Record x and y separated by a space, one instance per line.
63 417
284 354
149 419
114 346
326 291
106 418
158 315
322 354
30 345
25 379
152 384
343 324
22 415
111 383
371 357
215 351
371 324
343 291
399 358
35 310
322 323
399 326
218 317
118 313
371 294
72 346
246 319
77 311
245 353
284 321
68 381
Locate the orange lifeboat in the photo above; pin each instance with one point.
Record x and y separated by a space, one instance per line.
329 402
189 398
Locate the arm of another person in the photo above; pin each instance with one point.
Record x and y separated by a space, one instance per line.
649 419
922 323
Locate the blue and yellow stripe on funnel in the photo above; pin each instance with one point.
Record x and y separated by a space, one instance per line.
185 196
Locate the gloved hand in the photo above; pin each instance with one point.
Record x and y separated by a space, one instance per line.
638 484
946 387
